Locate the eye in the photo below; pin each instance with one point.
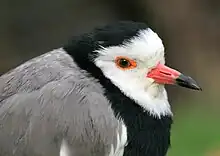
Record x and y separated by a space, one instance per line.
125 63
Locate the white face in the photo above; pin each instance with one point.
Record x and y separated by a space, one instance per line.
142 53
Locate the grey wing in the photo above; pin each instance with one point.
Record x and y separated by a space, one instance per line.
64 111
35 73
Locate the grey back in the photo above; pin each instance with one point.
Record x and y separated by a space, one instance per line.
48 100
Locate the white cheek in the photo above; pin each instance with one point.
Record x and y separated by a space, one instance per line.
137 77
135 84
105 65
109 68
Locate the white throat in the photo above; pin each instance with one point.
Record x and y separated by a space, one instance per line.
152 99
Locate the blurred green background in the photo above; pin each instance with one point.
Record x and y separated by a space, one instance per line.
190 30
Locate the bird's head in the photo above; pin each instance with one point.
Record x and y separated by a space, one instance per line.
131 56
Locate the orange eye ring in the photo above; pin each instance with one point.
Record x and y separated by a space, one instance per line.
125 63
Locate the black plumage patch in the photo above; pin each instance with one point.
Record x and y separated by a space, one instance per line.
147 135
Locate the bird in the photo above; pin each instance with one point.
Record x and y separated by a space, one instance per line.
102 93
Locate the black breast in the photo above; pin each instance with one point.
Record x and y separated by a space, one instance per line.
147 135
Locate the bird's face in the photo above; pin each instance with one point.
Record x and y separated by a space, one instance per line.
128 65
137 68
131 56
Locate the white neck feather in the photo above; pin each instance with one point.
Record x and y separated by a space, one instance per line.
152 99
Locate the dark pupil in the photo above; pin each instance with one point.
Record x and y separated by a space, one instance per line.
124 63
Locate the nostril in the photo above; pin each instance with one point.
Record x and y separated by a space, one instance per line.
165 73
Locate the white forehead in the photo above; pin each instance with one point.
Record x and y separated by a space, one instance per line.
146 43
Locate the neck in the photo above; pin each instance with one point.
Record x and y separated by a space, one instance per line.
147 134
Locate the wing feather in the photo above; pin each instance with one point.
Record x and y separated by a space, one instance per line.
47 100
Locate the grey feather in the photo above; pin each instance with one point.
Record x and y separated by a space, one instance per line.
49 99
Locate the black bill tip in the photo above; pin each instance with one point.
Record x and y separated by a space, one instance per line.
187 82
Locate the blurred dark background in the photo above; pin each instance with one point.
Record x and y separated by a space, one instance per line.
190 30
